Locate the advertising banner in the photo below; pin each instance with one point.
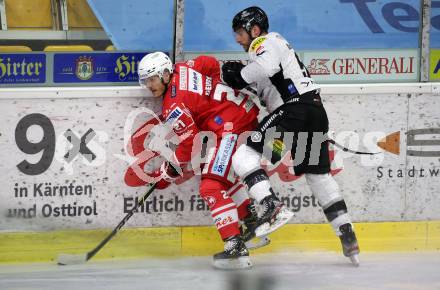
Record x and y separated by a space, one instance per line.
422 149
22 68
363 65
96 67
434 74
65 163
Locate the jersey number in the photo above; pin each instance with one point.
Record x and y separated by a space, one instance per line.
223 92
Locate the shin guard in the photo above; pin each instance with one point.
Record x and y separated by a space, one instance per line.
223 209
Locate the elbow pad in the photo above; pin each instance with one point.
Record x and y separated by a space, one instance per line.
231 71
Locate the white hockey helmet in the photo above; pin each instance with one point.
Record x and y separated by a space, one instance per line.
153 64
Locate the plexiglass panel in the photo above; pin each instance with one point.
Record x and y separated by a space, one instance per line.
309 24
137 24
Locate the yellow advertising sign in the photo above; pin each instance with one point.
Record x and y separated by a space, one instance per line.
434 74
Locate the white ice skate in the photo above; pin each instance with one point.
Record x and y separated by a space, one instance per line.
280 219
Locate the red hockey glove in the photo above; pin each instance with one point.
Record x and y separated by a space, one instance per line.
167 175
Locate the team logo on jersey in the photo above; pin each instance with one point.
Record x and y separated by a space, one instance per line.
256 137
183 80
195 82
224 154
84 68
179 126
257 43
180 120
210 200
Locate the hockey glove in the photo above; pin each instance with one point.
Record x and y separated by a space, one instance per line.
167 173
231 71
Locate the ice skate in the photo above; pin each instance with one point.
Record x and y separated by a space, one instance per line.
275 214
350 246
235 255
247 229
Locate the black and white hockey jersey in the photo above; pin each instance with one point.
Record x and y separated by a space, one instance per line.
277 71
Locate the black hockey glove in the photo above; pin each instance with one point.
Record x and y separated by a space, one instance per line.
232 76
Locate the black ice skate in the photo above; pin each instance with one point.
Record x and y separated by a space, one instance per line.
275 214
235 255
247 229
350 246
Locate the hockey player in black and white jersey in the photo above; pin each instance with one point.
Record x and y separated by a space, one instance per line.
294 105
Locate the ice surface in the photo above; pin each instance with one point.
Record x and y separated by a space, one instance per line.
272 271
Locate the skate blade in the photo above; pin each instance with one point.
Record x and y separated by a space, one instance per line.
354 260
233 264
282 218
257 243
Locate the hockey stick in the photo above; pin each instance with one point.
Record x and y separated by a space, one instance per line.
345 149
69 259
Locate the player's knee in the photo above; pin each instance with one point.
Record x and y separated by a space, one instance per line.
208 185
324 187
213 191
245 160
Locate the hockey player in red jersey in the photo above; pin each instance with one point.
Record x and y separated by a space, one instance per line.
195 100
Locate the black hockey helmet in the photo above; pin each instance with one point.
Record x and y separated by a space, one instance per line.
250 16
